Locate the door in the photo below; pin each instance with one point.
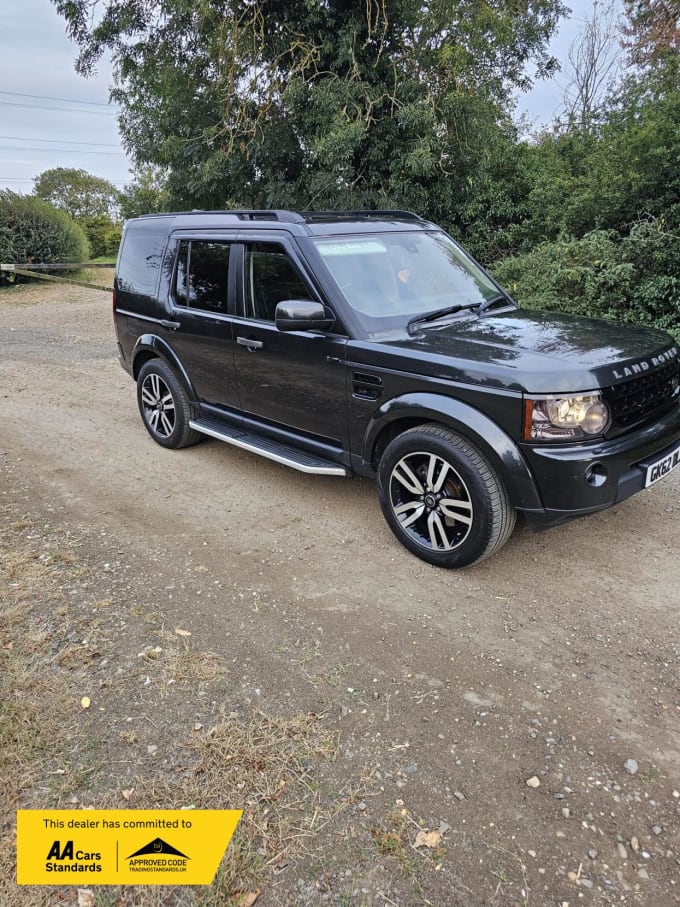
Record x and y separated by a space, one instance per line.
295 379
202 335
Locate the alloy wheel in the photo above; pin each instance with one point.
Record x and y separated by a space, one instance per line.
159 405
431 501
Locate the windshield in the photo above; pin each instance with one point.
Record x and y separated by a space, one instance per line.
391 278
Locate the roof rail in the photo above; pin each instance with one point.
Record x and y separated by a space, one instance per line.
246 214
392 212
270 214
293 217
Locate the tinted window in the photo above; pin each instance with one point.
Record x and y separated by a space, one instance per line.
270 277
390 277
201 277
141 257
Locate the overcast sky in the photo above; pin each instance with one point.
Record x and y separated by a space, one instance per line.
51 117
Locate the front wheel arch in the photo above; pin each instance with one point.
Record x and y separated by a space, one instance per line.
408 411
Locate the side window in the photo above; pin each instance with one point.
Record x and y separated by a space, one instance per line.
270 277
201 276
141 257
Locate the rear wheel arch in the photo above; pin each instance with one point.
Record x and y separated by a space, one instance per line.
149 347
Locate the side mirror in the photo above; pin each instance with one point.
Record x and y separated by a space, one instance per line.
302 315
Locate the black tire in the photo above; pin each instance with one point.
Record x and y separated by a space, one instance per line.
442 498
164 406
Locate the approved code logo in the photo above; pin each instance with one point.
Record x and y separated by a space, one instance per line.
119 847
158 856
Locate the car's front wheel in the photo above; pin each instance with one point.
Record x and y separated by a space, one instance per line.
164 406
442 498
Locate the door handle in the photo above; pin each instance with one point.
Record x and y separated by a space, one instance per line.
250 343
173 325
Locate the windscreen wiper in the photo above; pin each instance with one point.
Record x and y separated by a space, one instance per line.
484 306
440 313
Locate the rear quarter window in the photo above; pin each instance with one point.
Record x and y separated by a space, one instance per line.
141 258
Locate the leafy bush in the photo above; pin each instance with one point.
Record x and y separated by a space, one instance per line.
636 278
32 230
103 235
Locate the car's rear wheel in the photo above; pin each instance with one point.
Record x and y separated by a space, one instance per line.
164 406
442 498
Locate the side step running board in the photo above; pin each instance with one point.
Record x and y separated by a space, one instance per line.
266 447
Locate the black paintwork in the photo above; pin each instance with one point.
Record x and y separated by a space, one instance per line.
341 391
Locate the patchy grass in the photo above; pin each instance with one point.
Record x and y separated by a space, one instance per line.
409 844
52 755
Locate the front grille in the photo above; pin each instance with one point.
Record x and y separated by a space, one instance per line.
644 397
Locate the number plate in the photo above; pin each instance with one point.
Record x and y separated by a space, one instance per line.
662 467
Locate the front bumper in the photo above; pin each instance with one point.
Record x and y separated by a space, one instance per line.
577 479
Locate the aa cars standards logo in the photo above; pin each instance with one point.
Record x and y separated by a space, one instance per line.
122 846
158 856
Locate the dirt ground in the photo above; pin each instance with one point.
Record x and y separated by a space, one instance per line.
431 697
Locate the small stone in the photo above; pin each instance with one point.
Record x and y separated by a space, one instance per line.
635 844
623 853
411 769
643 874
585 883
592 854
361 806
533 782
151 748
657 829
645 855
631 766
458 795
559 796
566 812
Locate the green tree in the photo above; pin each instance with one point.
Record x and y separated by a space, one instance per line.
315 103
92 201
146 194
78 192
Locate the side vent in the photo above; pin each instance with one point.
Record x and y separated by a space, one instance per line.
366 386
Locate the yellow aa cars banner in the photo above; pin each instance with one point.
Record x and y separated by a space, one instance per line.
122 846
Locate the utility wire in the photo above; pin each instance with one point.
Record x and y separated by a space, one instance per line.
46 97
60 150
28 138
14 179
99 113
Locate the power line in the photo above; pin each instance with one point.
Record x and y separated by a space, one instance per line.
14 179
60 150
28 138
46 97
99 113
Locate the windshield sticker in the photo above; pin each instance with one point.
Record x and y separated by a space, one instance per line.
367 247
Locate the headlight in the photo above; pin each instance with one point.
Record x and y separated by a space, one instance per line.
565 418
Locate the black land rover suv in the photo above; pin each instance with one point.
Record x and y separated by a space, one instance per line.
369 342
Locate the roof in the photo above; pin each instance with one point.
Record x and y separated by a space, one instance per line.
309 222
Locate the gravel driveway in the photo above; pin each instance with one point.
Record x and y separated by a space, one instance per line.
527 709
